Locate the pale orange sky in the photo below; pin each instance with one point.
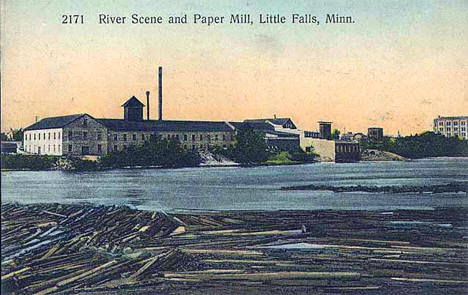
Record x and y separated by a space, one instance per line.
399 66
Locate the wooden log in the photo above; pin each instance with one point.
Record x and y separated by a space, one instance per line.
223 252
54 214
88 273
14 273
270 276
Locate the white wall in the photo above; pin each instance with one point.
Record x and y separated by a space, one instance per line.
48 141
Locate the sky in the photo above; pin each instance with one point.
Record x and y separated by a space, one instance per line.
398 66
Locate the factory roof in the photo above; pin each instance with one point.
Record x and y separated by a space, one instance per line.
164 125
263 127
54 122
452 118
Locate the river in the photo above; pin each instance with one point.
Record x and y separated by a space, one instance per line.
234 188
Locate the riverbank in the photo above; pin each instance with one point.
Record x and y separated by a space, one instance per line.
378 155
86 249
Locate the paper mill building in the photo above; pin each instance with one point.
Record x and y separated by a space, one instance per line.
82 134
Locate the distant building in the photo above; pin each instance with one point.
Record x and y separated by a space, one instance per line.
10 147
325 129
375 134
280 133
452 126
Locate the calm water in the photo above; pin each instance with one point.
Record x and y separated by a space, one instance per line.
243 188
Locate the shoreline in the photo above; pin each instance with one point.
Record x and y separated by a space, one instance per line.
84 249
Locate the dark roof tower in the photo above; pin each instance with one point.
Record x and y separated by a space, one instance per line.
133 109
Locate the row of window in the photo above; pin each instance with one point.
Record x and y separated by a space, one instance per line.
449 123
455 129
84 135
42 149
184 137
49 135
193 147
85 150
346 148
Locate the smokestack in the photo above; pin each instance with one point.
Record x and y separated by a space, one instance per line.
147 106
160 94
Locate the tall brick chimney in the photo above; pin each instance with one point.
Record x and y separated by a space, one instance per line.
147 106
160 94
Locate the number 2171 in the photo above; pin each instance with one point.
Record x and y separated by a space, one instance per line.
72 19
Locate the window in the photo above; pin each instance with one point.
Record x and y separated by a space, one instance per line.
85 122
115 148
201 136
224 137
115 137
49 135
44 137
54 147
193 147
455 123
55 135
216 137
59 147
463 123
449 123
448 129
99 136
39 136
125 137
134 137
85 150
177 136
142 137
99 148
185 137
70 148
85 135
59 135
70 135
441 123
48 148
185 146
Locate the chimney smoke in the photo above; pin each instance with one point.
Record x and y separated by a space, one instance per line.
147 106
160 94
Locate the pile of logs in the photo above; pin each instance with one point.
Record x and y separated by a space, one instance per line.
52 248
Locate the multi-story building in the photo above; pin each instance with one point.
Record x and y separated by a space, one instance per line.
82 134
452 126
375 134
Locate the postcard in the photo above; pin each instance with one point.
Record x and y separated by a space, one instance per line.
234 147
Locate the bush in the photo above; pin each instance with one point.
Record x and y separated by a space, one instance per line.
156 152
29 162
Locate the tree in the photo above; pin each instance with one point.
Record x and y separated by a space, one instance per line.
4 136
251 147
336 134
16 134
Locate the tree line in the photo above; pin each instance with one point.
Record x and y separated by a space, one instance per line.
424 145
